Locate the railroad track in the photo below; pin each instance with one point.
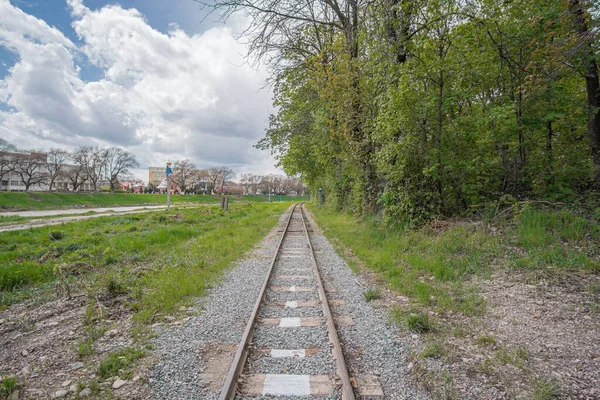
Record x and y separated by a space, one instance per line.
290 346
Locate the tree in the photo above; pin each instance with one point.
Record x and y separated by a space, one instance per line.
7 163
31 167
92 162
55 165
183 174
588 66
77 176
117 162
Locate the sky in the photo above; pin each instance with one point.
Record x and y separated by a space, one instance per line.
150 76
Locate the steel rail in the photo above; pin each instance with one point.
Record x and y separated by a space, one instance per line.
347 391
228 391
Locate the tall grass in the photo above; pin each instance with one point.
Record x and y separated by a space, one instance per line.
431 266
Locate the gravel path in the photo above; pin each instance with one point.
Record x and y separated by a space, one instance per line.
195 356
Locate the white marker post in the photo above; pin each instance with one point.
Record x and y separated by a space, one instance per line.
168 187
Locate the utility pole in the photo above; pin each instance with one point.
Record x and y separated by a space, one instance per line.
168 186
269 193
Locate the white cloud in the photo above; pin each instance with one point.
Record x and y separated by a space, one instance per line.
163 95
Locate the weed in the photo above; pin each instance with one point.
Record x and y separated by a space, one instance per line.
119 360
459 331
415 321
372 294
114 287
433 350
544 390
485 340
90 312
516 356
9 385
56 235
85 348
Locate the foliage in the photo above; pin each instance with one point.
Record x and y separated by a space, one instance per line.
445 105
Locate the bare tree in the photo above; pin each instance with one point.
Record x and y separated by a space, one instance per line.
118 162
77 176
279 28
246 182
226 173
202 178
7 164
217 176
31 168
91 160
54 165
214 176
183 174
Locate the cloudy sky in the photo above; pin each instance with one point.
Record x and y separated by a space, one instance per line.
145 75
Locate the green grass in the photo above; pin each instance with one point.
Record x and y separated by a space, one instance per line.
414 320
372 294
485 340
9 384
544 390
12 201
158 259
433 350
118 362
432 267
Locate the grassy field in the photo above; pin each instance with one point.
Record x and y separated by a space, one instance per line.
432 265
13 201
160 259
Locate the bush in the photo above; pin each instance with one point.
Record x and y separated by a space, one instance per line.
56 235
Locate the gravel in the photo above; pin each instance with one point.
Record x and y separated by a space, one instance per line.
376 340
225 312
321 363
227 307
291 338
281 312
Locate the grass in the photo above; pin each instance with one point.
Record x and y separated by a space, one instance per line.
9 384
118 362
413 320
372 294
544 390
12 201
485 340
433 267
433 350
159 259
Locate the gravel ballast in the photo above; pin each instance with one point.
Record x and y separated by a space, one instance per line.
186 358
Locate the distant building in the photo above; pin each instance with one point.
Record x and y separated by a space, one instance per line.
156 175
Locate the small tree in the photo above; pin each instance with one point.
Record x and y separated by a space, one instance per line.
118 162
7 164
54 165
31 168
183 174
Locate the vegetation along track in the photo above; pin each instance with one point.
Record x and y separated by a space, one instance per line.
291 329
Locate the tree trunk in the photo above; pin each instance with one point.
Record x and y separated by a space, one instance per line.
592 84
549 155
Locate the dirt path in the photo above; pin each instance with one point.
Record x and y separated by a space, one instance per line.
37 223
70 211
105 212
